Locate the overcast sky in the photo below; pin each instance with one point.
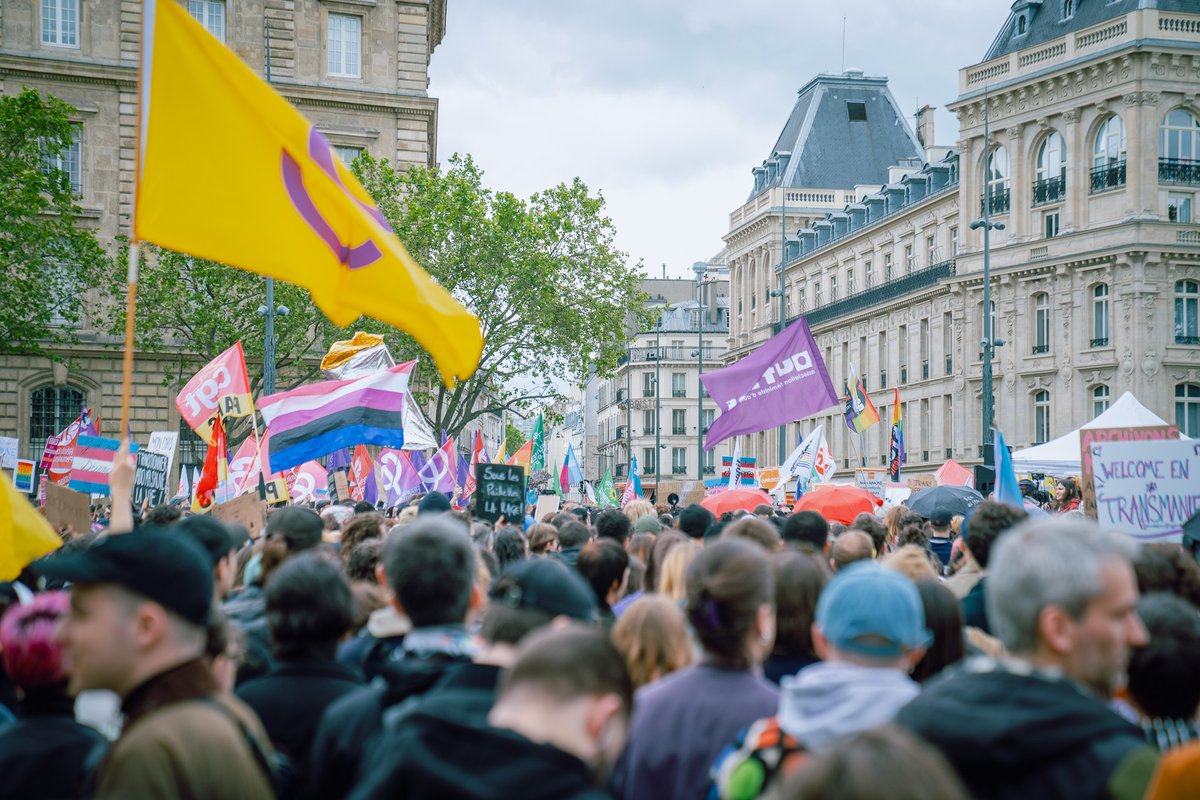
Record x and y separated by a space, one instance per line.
665 105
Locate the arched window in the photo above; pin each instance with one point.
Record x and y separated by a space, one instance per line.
1051 180
1179 148
1108 155
1187 409
997 181
1100 315
1068 9
1187 312
1041 323
1101 396
1041 417
51 408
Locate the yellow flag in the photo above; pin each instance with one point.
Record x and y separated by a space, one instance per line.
25 535
523 455
229 171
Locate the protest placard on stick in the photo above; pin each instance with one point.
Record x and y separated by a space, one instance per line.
1148 489
500 492
68 508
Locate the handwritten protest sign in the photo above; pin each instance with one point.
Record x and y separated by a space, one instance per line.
164 442
150 478
246 510
1148 488
1090 436
499 491
68 508
8 452
871 479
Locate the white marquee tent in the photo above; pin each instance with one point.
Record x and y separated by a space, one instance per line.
1061 456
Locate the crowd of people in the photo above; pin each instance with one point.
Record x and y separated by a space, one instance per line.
642 652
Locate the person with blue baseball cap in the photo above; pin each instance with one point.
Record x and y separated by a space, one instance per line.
869 633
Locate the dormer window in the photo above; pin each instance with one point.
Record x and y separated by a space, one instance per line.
856 111
1068 9
1021 25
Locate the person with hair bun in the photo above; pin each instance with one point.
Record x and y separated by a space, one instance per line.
681 722
45 753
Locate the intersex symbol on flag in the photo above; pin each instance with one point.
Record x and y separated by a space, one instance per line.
400 479
440 471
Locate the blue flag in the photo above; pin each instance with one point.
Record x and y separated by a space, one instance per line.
1007 489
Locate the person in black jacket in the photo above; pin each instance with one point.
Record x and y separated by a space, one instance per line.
558 725
1062 598
430 566
572 536
45 753
309 607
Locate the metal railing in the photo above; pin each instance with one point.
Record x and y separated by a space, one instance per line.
1187 339
679 393
1049 190
679 469
997 201
884 292
1099 342
1179 170
1038 349
1108 176
679 431
672 353
711 469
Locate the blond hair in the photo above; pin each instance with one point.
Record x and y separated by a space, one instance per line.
672 577
912 561
652 637
636 509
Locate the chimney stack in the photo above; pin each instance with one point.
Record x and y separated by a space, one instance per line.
925 126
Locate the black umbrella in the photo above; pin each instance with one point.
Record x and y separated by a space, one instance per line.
940 504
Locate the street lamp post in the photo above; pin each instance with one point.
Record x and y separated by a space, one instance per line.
782 297
990 341
657 403
699 268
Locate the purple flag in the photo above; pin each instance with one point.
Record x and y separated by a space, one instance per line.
338 459
782 381
417 457
86 426
371 489
438 474
400 480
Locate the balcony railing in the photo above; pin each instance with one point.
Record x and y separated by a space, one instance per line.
679 431
679 393
995 201
1038 349
881 293
1192 340
1101 341
710 469
648 430
679 469
1179 170
685 353
1109 176
1049 190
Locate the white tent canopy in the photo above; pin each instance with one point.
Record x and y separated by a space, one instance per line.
1061 456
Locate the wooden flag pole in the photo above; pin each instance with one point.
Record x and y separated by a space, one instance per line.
130 318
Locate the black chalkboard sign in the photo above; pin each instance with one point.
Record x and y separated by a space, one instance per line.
500 492
150 478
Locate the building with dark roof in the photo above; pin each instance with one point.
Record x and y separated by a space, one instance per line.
1091 160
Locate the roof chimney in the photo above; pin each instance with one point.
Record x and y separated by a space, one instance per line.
925 125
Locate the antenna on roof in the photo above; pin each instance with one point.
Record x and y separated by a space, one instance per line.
843 44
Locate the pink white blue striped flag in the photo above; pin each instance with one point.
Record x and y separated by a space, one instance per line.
314 420
93 462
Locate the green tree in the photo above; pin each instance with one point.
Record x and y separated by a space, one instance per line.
551 291
195 309
513 438
46 261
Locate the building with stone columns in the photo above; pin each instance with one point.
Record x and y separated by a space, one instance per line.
358 69
1092 163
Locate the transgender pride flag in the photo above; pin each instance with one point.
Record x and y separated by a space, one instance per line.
93 461
314 420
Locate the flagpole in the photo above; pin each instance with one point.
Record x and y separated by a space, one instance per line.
131 270
131 279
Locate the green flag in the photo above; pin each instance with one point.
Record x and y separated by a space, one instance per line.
606 492
554 481
538 435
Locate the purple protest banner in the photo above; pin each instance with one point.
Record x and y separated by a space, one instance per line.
782 381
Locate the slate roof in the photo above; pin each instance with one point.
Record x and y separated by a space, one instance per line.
1048 20
821 147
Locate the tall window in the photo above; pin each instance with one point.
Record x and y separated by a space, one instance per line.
647 384
954 241
833 288
1101 397
850 285
1179 208
908 258
678 422
887 267
1041 323
69 160
345 45
1068 9
1100 315
51 408
679 384
1187 312
1187 409
997 196
706 418
1108 155
1180 136
1051 180
648 421
710 462
210 14
869 271
679 460
948 342
60 23
930 251
648 460
1041 417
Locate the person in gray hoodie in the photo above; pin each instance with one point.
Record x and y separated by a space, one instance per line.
869 633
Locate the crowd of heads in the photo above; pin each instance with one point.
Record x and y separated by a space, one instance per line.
588 631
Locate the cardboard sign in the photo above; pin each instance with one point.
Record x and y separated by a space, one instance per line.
871 479
500 492
68 508
23 475
1090 436
546 504
341 487
1147 489
8 452
247 511
150 479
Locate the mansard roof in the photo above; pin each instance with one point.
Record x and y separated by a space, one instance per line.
1045 20
844 131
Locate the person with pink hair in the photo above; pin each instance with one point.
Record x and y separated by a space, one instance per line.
45 753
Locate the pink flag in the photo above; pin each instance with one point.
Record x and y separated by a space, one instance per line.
440 470
307 483
399 476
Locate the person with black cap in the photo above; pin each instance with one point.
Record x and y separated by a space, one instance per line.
694 521
221 544
289 531
139 605
433 503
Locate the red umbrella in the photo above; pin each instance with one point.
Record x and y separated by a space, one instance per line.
735 500
838 503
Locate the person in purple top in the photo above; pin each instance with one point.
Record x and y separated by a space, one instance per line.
681 722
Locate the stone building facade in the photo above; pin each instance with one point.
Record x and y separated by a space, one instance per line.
1092 163
358 69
